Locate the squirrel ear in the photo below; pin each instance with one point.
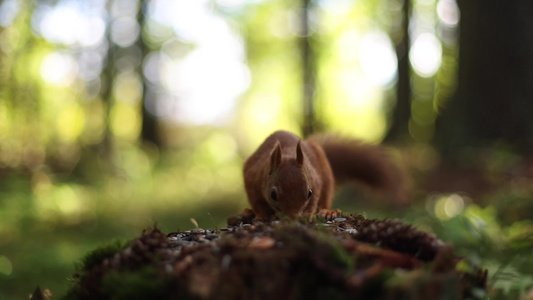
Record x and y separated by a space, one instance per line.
275 157
299 154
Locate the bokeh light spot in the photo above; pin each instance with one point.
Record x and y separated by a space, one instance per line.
70 123
125 121
448 12
8 12
447 206
378 60
128 88
125 31
426 55
59 68
68 23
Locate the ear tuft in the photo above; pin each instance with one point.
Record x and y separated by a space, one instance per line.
299 154
275 157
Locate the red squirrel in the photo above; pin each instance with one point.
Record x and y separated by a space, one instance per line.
297 177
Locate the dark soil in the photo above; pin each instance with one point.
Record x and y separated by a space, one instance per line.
348 258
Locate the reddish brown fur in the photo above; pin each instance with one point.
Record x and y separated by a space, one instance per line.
368 164
289 168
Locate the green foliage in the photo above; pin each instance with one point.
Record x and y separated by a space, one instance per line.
509 282
505 251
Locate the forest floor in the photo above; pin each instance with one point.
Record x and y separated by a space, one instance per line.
350 256
487 216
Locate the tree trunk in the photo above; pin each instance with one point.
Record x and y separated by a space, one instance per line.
494 99
308 73
107 77
398 129
149 130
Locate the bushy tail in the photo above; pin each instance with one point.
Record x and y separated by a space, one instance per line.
368 164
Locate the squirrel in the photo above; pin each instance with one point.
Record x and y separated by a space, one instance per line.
297 177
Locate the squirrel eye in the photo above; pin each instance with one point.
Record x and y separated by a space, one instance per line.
273 194
309 194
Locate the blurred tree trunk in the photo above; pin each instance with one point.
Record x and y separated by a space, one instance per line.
107 77
494 99
398 129
308 72
149 130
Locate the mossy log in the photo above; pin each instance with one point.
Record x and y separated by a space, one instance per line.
348 258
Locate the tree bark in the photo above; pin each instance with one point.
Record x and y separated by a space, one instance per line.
398 129
494 99
308 73
149 130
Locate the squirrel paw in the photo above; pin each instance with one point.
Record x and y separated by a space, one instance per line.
329 214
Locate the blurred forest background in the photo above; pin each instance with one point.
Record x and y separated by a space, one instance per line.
119 114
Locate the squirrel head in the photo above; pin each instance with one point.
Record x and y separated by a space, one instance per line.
288 187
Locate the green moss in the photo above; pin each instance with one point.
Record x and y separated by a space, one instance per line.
338 256
336 253
319 241
375 286
73 293
320 220
90 260
99 254
145 283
